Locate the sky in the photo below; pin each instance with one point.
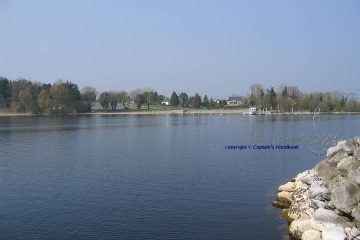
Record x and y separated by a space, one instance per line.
214 47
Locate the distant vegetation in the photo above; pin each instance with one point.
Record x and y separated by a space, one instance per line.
288 98
23 96
28 97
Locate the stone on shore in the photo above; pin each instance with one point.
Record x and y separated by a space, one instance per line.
298 227
311 235
288 187
333 233
324 203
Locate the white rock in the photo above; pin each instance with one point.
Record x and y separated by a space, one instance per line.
284 197
327 216
311 234
355 232
354 175
308 176
318 189
288 187
339 146
318 203
298 227
333 233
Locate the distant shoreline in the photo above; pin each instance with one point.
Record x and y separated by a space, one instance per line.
183 112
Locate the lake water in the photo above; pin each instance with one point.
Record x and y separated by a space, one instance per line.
153 177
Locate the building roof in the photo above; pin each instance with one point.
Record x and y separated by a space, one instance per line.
236 98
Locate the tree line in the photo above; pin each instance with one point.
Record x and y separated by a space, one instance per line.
65 97
61 97
290 98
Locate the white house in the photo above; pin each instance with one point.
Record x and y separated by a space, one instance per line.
235 101
166 102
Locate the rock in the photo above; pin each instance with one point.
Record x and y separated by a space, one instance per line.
334 161
311 235
348 163
281 205
298 227
355 213
284 197
326 171
341 145
318 203
288 187
308 176
354 145
344 194
299 212
354 176
326 216
355 232
301 207
333 233
318 188
324 202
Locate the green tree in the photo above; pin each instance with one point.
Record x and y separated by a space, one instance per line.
104 100
150 97
88 96
197 101
66 97
124 99
113 99
206 101
139 100
284 93
212 103
5 92
272 98
44 100
26 100
174 99
184 99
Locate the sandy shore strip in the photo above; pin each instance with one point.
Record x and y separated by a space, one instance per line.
182 112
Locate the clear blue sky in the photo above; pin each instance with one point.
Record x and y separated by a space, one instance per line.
214 47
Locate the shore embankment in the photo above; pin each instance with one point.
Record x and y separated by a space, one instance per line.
180 112
323 203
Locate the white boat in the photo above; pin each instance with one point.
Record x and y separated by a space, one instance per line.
252 110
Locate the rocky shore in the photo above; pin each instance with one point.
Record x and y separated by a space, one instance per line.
324 202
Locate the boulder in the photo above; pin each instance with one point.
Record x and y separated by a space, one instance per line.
340 146
326 171
355 213
354 145
318 203
333 233
334 161
344 195
348 163
288 187
308 177
298 227
355 232
325 216
319 190
354 176
301 206
311 235
324 202
284 197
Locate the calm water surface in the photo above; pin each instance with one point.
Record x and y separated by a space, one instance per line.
153 177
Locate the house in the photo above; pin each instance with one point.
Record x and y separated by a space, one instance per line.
236 101
218 101
166 102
